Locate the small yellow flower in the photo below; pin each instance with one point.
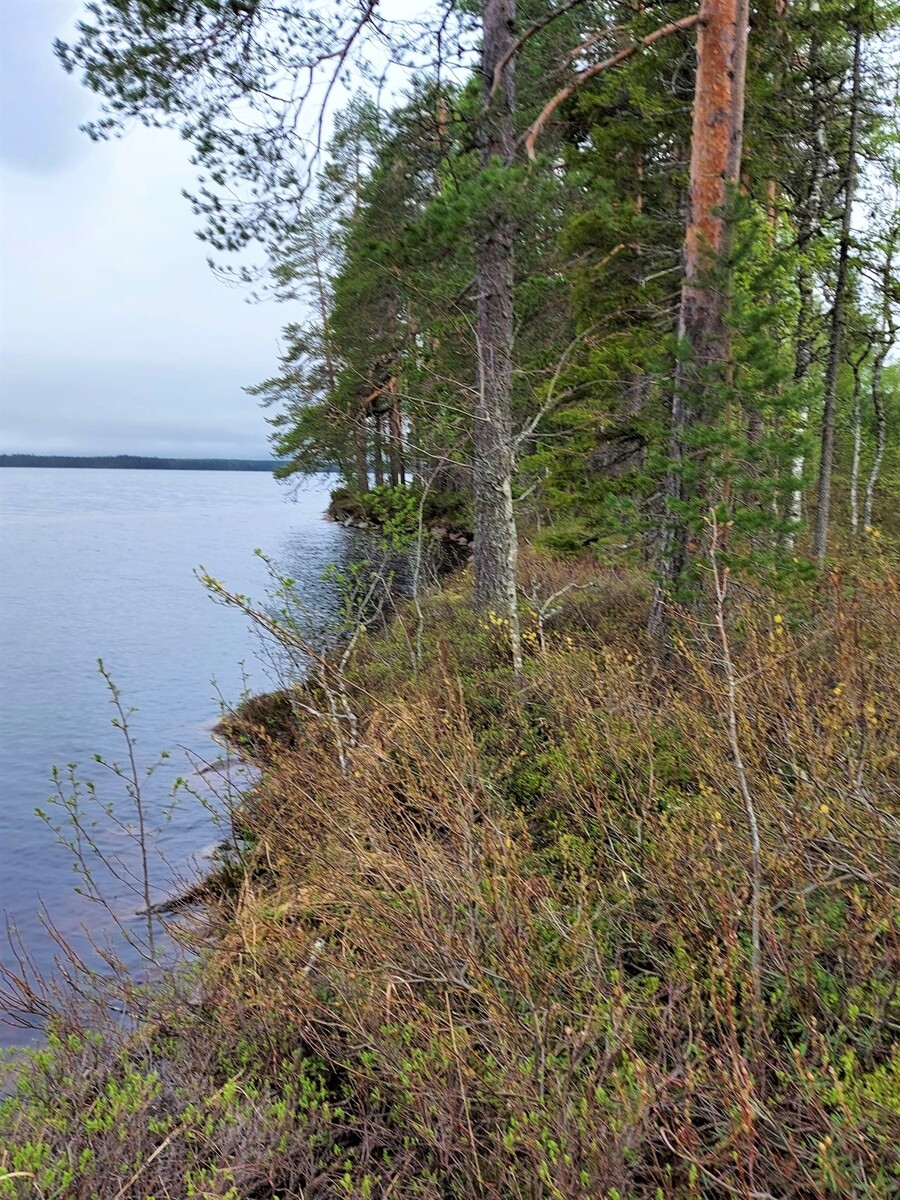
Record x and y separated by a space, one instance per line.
778 618
824 810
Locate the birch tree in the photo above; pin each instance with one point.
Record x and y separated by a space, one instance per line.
807 226
890 297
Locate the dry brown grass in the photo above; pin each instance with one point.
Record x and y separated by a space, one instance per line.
508 954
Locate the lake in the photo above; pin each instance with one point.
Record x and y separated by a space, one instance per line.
100 564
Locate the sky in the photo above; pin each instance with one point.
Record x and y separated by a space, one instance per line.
115 336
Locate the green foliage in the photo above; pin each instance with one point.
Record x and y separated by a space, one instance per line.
496 934
378 381
398 512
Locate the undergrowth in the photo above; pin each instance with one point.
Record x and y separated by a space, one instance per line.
505 949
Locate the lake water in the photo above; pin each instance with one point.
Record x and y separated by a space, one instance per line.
100 564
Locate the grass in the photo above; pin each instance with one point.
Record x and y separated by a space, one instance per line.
506 950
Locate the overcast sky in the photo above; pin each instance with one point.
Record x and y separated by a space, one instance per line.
115 337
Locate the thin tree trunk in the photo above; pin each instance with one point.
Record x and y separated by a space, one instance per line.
756 426
360 456
395 438
889 338
838 315
805 331
377 450
324 317
716 145
496 543
321 290
857 448
880 441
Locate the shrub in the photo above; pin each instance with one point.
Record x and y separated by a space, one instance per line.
508 951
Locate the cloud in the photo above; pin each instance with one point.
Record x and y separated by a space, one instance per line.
114 333
40 107
129 408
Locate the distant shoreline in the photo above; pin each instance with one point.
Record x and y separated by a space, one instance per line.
131 462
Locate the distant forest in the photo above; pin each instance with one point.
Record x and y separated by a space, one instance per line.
131 462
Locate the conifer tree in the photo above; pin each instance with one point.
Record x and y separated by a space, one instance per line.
716 147
556 341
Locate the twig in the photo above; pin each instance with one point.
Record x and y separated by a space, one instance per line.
717 1179
552 398
720 585
465 1097
525 38
534 131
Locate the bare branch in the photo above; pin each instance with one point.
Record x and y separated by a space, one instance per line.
554 398
524 39
534 132
720 589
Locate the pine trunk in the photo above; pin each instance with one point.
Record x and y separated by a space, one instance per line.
496 545
360 456
716 144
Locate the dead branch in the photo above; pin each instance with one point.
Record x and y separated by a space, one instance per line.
534 132
524 39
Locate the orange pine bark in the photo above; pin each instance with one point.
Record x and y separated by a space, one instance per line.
716 145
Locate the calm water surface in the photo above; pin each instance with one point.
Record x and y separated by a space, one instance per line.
100 564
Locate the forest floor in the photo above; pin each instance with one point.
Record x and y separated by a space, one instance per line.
625 928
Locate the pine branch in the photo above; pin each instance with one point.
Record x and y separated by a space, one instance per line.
534 131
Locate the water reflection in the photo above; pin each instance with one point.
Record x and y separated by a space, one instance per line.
102 564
